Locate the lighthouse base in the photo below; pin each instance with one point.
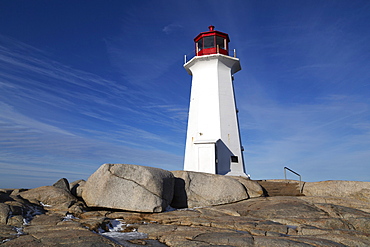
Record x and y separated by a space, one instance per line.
213 157
237 174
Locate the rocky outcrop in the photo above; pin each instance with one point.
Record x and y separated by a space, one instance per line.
253 188
323 217
197 189
4 213
281 187
129 187
16 211
345 189
265 221
58 199
77 187
54 230
62 184
270 221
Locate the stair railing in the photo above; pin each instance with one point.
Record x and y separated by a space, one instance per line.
300 178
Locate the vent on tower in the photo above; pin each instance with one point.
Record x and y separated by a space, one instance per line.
234 159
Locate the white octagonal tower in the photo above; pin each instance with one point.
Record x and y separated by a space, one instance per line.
213 140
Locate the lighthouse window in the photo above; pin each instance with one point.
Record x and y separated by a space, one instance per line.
200 44
209 42
220 42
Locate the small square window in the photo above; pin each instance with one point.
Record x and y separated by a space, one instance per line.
234 159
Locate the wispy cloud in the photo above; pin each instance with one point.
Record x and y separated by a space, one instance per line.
171 28
31 63
306 136
11 117
52 115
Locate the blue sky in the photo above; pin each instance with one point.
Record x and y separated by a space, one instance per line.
84 83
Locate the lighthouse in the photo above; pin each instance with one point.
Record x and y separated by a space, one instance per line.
213 140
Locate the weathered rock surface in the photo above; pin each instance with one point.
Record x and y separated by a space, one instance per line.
129 187
53 230
77 187
281 187
14 210
197 189
62 184
345 189
253 188
55 198
314 220
4 213
271 221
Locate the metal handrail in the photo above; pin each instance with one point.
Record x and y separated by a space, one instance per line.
300 178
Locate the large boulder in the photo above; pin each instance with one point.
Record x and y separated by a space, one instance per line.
346 189
52 197
197 189
129 187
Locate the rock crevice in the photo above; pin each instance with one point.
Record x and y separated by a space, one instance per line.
133 181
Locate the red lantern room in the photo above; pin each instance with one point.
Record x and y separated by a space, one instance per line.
212 42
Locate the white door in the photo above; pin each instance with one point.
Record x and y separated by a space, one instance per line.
206 158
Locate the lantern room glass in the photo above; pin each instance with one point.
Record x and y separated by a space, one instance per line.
220 42
211 42
208 42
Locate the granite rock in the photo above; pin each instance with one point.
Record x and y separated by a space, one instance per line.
55 198
129 187
77 187
197 189
320 218
253 188
345 189
62 184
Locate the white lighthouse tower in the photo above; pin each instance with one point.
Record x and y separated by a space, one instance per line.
213 140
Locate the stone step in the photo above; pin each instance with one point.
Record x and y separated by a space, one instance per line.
274 188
